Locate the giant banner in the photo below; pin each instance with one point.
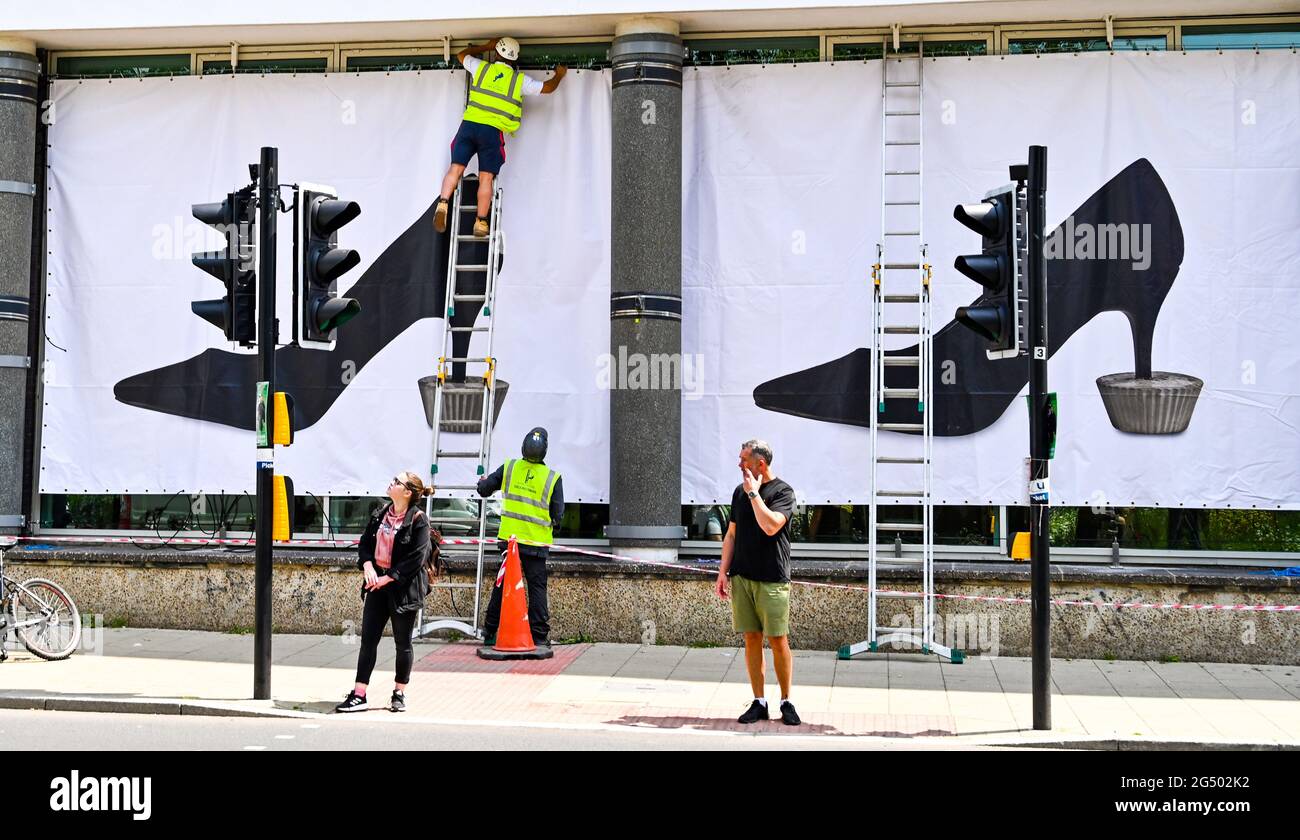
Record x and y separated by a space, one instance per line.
1173 276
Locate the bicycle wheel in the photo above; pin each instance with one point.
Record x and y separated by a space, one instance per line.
57 630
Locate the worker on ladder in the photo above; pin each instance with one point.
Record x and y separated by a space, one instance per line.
496 105
532 503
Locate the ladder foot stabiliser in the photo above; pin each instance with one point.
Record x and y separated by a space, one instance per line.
473 263
902 387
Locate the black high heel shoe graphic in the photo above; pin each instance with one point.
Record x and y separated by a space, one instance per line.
972 391
406 284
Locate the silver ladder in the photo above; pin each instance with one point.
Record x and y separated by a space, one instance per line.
471 282
900 308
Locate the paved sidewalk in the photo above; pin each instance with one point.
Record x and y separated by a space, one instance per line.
1115 704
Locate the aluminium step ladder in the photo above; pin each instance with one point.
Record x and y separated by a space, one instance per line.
903 382
472 268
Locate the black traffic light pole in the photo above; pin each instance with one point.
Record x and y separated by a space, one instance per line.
1040 514
268 198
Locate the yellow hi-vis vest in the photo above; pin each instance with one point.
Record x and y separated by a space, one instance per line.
496 96
526 502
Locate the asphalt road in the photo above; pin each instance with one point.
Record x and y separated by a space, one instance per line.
84 731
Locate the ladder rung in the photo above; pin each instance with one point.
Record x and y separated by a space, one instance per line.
902 172
471 268
899 526
470 207
469 297
464 618
902 330
902 142
902 361
892 493
462 359
442 454
460 586
914 393
902 233
469 237
901 298
467 329
901 427
898 459
902 84
900 266
902 113
902 204
457 487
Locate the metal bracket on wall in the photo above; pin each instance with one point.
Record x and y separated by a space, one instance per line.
18 187
15 361
14 308
645 305
13 521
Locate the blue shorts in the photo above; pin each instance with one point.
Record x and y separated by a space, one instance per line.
486 141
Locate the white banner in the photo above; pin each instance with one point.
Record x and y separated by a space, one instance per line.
1194 154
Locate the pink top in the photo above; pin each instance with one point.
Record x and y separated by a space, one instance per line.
384 538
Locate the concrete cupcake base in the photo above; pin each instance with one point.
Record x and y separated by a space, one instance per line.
1161 405
462 402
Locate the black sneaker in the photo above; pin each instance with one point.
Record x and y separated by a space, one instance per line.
788 715
398 703
757 711
352 703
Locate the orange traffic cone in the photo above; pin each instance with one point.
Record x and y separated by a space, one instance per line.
514 636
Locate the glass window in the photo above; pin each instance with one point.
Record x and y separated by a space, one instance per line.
574 56
1085 44
867 50
1263 36
269 65
1169 529
707 51
127 66
396 63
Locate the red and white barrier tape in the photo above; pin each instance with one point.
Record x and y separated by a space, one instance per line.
894 593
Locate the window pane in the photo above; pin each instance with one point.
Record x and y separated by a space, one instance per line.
873 49
1085 44
706 51
268 65
583 520
397 63
105 66
574 56
1264 36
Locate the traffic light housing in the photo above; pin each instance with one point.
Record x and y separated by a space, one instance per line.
318 310
998 316
235 266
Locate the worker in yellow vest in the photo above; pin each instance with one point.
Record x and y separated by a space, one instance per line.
532 504
496 105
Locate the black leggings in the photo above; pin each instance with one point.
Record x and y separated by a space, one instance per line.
374 616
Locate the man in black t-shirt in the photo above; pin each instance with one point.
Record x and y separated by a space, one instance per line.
755 574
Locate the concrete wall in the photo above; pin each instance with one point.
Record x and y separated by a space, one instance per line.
319 593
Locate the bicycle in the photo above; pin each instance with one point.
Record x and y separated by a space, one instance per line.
41 614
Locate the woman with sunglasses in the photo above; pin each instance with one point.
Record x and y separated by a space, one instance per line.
393 552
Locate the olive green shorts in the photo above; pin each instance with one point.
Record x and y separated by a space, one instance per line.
760 607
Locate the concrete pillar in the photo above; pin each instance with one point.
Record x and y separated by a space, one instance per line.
645 411
19 73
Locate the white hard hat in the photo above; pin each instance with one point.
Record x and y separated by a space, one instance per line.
508 48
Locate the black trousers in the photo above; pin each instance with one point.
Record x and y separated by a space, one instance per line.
376 614
539 612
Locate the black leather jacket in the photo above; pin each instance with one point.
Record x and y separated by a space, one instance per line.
410 553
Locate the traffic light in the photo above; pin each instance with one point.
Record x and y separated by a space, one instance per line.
318 310
999 314
235 266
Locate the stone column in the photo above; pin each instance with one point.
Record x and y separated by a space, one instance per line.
19 73
645 406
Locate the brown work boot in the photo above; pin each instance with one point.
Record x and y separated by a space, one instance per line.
480 227
440 216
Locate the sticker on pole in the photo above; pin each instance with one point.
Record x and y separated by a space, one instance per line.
1039 489
263 408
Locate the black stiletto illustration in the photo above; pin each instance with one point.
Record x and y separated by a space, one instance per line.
972 391
406 284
